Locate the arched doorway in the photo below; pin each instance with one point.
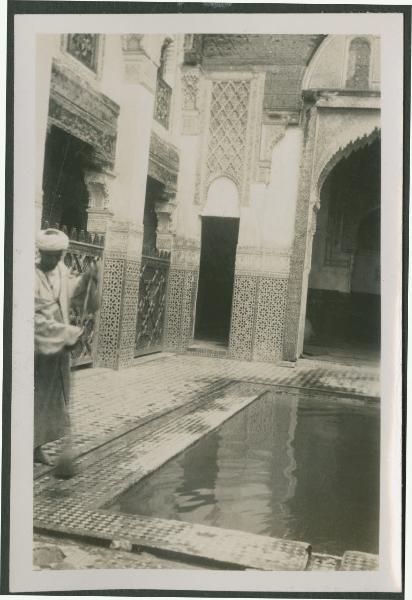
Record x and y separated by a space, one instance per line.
343 302
219 235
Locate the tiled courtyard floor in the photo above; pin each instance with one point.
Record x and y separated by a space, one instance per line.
107 403
108 406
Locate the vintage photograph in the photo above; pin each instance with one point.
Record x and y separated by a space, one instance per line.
210 203
207 302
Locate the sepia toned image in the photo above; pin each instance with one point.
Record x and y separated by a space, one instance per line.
206 327
215 202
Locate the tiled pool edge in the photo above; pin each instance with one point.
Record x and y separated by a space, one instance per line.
191 543
86 518
226 547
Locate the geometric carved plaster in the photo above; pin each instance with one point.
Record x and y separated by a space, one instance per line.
230 131
191 100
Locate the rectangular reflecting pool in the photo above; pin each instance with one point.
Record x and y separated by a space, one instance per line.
289 465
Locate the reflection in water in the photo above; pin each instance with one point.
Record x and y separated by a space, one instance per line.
303 469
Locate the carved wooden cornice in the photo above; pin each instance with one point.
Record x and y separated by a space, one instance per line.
163 162
83 112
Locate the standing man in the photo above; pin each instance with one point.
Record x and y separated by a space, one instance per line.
55 291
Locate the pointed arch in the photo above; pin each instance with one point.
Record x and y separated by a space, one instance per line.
344 152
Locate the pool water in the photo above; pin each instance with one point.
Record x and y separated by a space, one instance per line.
289 466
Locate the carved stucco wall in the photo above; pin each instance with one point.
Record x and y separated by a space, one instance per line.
232 147
332 131
231 119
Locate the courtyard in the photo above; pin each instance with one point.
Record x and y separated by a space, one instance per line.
128 424
226 403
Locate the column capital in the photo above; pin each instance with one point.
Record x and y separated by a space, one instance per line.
98 183
140 66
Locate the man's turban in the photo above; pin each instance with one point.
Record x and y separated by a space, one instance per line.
52 240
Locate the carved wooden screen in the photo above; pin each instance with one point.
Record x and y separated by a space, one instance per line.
152 302
84 247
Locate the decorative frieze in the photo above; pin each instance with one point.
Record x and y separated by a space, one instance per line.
258 49
191 102
262 260
83 112
190 88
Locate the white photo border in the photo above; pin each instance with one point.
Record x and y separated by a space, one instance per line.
389 26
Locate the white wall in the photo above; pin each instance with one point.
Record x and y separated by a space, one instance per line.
328 68
279 198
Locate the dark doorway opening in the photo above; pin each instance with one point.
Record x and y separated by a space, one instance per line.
154 193
65 195
216 276
343 304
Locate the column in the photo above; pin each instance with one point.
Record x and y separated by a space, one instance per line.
99 184
123 247
300 258
185 257
182 291
259 300
264 248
